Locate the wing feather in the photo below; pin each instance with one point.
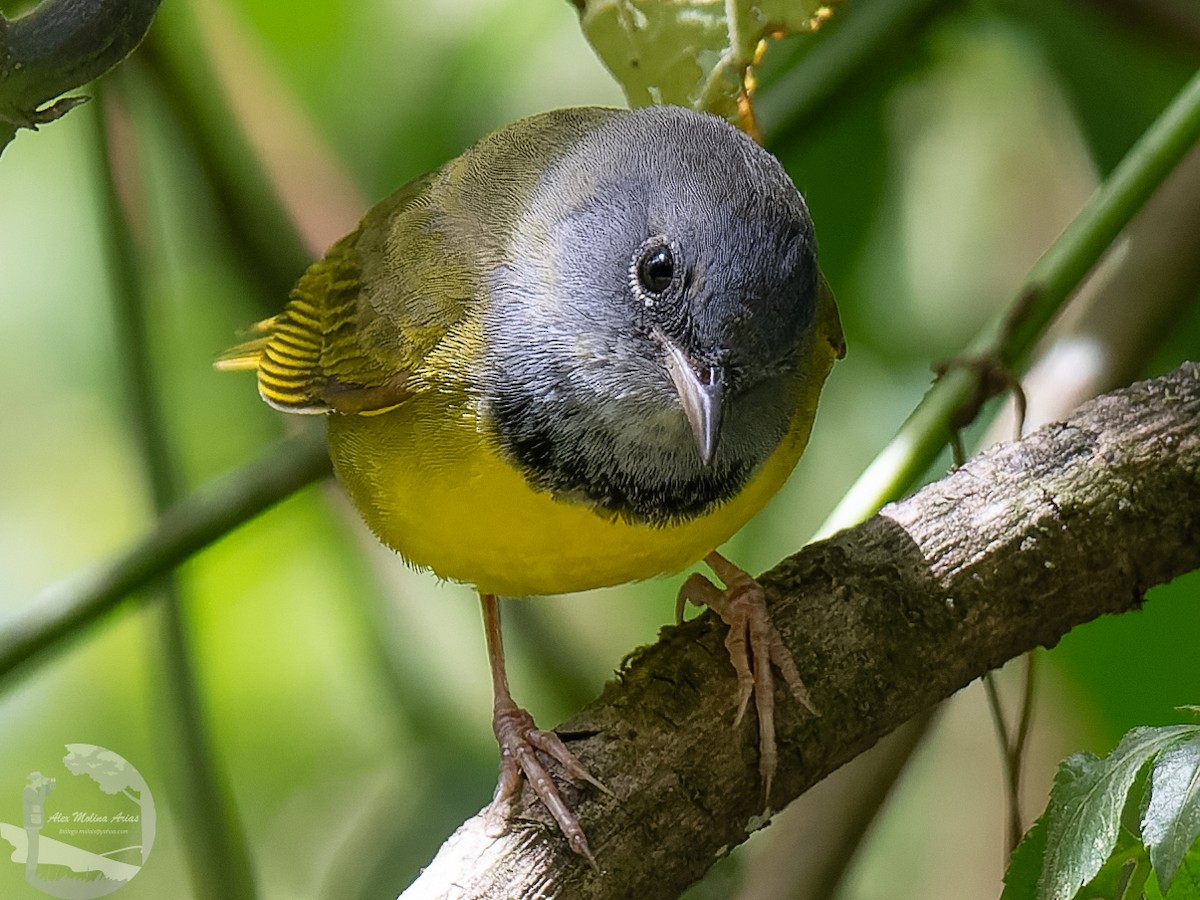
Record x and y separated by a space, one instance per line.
318 355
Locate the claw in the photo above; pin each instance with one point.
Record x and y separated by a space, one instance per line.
754 647
520 739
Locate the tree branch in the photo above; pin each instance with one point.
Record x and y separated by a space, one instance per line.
60 45
1006 554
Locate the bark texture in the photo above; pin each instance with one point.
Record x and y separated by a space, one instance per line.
1006 554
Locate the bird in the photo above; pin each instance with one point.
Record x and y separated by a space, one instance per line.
582 353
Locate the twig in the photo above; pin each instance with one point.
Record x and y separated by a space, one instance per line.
1012 745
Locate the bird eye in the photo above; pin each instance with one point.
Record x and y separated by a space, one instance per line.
656 269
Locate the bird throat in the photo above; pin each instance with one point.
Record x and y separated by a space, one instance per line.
635 466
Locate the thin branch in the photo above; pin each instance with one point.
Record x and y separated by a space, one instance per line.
1006 554
1020 742
1012 744
66 609
1102 340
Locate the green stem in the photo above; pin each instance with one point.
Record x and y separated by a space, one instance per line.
132 350
1008 339
65 610
1134 886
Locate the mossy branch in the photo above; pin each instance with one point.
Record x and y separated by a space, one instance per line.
1005 554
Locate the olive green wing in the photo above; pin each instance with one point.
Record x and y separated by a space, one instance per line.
360 322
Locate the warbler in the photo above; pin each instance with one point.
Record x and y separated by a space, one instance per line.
582 353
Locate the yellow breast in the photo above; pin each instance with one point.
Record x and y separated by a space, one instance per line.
435 489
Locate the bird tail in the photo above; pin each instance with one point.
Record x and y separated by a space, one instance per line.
247 356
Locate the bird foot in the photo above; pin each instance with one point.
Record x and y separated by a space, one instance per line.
754 646
519 739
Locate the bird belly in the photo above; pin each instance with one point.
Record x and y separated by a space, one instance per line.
436 490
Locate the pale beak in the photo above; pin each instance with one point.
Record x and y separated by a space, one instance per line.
700 390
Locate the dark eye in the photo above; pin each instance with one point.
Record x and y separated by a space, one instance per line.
656 269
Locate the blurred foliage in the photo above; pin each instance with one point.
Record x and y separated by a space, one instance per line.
348 697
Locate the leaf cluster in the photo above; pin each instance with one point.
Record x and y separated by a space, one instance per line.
1111 823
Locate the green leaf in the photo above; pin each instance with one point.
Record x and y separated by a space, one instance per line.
1084 811
1124 873
692 53
1186 883
1025 864
1171 822
1025 867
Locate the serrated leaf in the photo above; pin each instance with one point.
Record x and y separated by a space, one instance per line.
1084 811
692 53
1025 864
1171 822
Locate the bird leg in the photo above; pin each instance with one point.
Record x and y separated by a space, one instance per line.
519 739
754 646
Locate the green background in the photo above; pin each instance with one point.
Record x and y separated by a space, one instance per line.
348 697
